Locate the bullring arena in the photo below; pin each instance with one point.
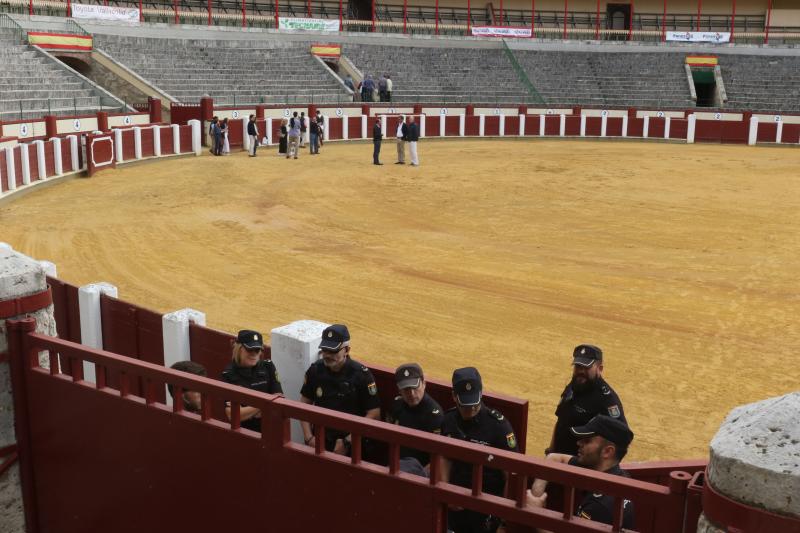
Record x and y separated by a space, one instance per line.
613 174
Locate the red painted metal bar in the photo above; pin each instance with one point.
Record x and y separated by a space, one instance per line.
769 19
469 16
565 18
277 15
699 11
501 12
733 20
630 23
405 14
737 516
373 15
26 304
533 18
10 456
141 12
175 8
209 12
664 23
341 16
308 8
69 9
597 22
30 7
244 13
436 29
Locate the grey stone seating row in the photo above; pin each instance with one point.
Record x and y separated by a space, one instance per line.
54 103
13 94
761 82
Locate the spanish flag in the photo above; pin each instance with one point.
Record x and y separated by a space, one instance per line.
326 50
701 61
60 41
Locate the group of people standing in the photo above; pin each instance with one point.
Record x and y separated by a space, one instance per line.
371 91
407 133
293 133
219 134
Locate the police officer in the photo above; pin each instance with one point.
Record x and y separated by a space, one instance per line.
414 408
192 400
601 443
248 370
473 421
586 396
339 383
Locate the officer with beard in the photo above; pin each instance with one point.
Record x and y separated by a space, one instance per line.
586 396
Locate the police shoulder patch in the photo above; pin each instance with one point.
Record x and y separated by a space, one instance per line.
397 398
511 439
434 412
372 389
584 514
364 369
613 411
438 431
497 414
606 390
277 377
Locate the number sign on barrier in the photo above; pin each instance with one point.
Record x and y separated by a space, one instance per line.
76 125
443 111
339 112
127 121
660 114
235 114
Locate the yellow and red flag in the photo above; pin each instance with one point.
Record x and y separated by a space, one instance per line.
701 61
326 50
60 41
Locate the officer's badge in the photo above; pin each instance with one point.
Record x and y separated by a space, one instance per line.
255 338
278 378
613 411
319 392
406 373
583 351
469 386
330 334
511 439
372 389
585 515
435 412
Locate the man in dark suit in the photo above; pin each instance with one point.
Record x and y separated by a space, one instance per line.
377 137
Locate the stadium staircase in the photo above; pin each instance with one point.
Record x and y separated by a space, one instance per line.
34 84
762 82
232 72
446 75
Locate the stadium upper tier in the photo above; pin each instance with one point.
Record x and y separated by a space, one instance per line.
762 82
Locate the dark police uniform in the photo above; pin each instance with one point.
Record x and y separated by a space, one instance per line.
262 377
578 409
351 390
427 415
599 507
488 427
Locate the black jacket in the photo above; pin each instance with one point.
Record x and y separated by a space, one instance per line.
413 132
377 135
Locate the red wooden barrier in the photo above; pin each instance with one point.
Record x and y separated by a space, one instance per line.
354 127
572 125
334 126
66 155
512 125
50 158
3 177
472 125
167 147
656 128
791 133
99 153
767 132
148 145
18 165
33 162
734 132
491 125
235 133
614 127
128 145
678 128
532 124
552 125
451 125
593 126
635 127
432 125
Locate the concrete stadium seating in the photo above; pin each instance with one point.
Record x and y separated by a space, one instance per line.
252 72
441 74
608 79
765 83
32 85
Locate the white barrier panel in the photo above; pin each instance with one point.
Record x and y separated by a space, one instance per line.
363 126
779 133
73 150
197 140
383 126
541 125
176 138
625 126
422 126
345 128
137 142
58 164
157 140
646 127
41 170
11 174
118 145
442 120
583 125
175 335
462 123
603 125
502 126
91 324
26 164
294 347
752 133
6 246
481 125
326 131
667 124
521 125
690 129
562 125
268 133
245 136
49 268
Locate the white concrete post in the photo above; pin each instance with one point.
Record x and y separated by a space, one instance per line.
91 324
502 125
562 125
522 125
49 268
197 140
383 127
345 128
625 125
40 159
26 164
690 129
363 126
118 146
73 151
603 125
175 335
779 133
421 126
667 124
583 125
294 347
326 130
11 174
245 136
442 123
541 125
176 138
752 134
646 128
462 125
156 140
268 133
481 125
137 142
58 164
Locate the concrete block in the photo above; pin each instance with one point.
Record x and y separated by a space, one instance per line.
91 323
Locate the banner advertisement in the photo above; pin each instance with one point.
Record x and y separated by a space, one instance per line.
699 36
306 24
128 15
500 31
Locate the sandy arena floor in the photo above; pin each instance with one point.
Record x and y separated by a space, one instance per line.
681 262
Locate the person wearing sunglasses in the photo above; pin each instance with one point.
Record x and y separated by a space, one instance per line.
247 369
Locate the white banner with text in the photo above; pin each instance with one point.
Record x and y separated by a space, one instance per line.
500 31
699 36
289 23
128 15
